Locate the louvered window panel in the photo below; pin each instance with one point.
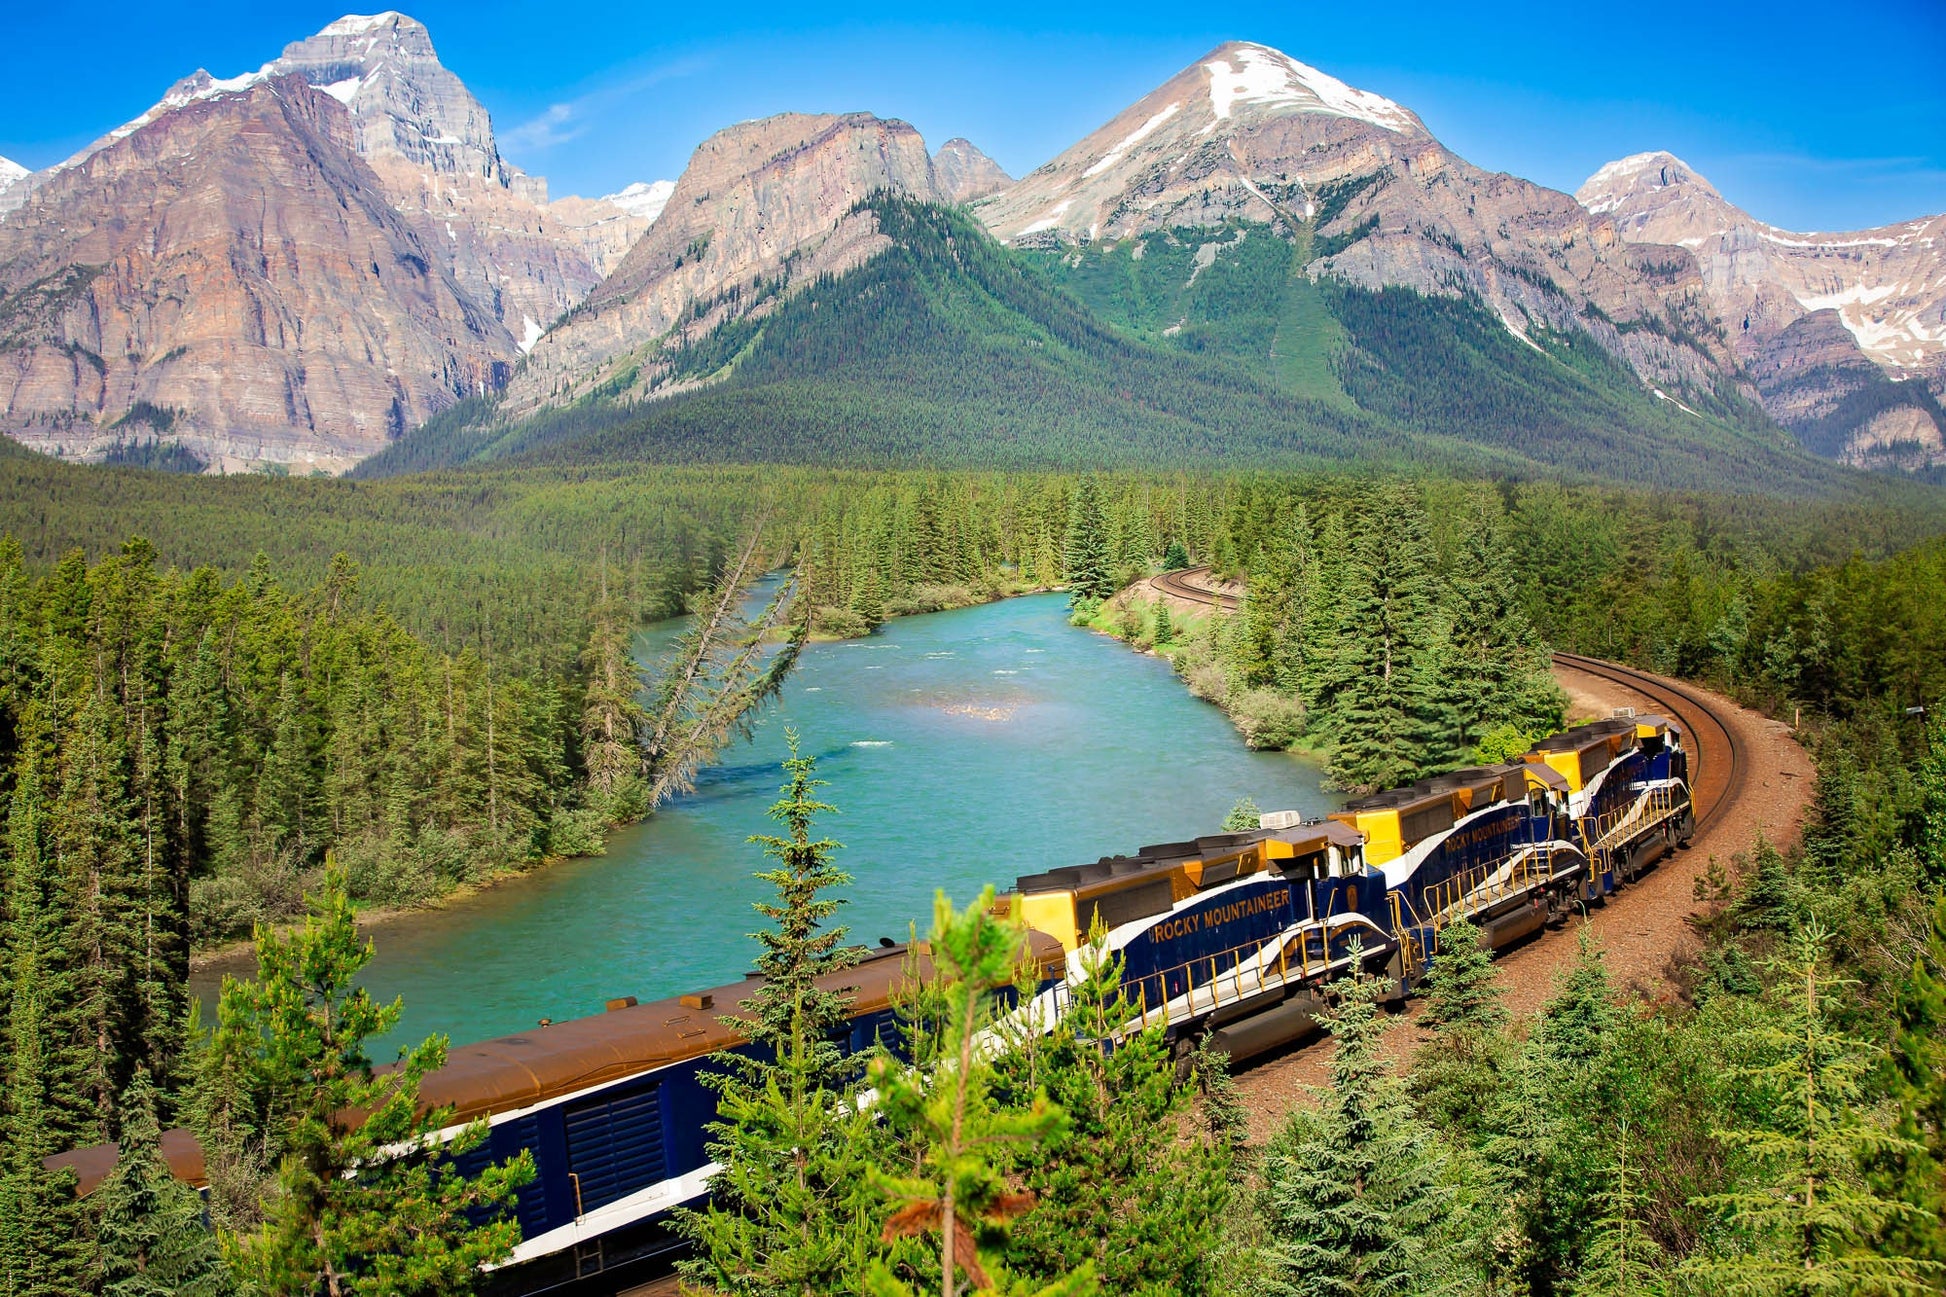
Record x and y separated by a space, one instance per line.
505 1143
615 1146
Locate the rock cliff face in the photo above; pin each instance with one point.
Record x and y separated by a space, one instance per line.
964 174
231 275
1816 318
409 137
1249 134
761 207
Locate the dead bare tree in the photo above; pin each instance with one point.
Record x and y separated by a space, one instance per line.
719 673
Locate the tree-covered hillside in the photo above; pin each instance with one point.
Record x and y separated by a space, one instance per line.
951 350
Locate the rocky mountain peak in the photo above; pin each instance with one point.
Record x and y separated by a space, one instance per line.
642 201
404 102
1246 78
1809 315
762 206
11 173
964 173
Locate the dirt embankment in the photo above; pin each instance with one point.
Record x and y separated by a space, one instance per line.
1638 930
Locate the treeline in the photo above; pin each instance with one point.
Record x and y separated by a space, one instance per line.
1362 638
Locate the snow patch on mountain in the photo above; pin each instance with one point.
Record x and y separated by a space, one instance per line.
1262 75
643 200
11 173
1133 138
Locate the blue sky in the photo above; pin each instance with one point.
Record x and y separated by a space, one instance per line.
1810 116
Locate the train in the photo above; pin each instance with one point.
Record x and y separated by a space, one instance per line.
1235 937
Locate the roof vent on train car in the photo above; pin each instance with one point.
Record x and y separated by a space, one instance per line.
1622 712
1281 820
699 1000
624 1002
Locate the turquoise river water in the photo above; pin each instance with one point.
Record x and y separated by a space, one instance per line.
961 748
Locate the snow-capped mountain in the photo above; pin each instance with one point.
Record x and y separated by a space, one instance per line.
1248 134
643 201
390 131
1822 321
11 174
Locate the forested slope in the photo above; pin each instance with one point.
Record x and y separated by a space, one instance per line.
951 350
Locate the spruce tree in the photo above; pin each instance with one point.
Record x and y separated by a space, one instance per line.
1805 1222
792 1211
1175 558
1350 1187
1089 572
1460 989
1165 629
1915 1077
611 715
153 1239
1123 1186
1463 1065
958 1137
1497 670
869 602
364 1200
1244 816
1383 700
1624 1259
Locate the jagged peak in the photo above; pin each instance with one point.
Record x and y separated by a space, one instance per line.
359 24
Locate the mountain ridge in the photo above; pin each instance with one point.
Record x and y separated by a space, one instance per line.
1844 332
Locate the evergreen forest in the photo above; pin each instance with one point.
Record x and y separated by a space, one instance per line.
255 708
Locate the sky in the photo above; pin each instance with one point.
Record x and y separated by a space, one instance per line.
1812 117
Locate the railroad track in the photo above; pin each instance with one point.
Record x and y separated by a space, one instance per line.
1717 767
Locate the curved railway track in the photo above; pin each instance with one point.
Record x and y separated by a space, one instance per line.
1718 770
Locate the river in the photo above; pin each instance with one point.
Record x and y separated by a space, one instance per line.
961 748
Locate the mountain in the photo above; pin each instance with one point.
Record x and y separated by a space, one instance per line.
762 208
230 275
963 173
1844 334
1249 137
11 173
423 146
1255 264
644 202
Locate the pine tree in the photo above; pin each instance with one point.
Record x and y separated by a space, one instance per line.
1165 629
1382 698
1175 558
1122 1187
869 602
793 1210
1926 830
153 1239
1350 1187
1806 1221
611 717
1244 816
942 1109
1497 670
1459 987
1089 572
1915 1076
365 1200
1624 1260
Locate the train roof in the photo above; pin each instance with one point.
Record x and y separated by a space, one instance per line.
1164 856
491 1077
